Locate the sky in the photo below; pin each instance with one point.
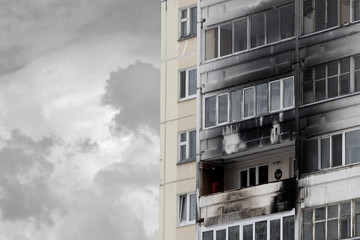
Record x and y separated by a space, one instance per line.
79 119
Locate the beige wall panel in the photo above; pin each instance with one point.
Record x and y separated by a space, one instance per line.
162 216
186 3
171 151
186 186
172 90
186 171
187 108
162 153
188 123
187 62
186 232
169 230
162 92
187 47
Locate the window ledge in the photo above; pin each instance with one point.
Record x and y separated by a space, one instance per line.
187 37
187 98
186 161
185 224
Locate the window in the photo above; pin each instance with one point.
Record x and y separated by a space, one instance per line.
327 151
188 18
332 221
254 176
276 227
249 102
187 208
322 14
188 83
187 145
330 80
264 28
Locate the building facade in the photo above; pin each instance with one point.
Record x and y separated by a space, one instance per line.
278 120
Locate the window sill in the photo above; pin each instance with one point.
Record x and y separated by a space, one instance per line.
187 98
185 224
186 161
187 37
329 99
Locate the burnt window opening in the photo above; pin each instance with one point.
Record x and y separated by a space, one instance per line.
249 102
188 22
330 80
264 28
332 221
254 176
188 83
326 152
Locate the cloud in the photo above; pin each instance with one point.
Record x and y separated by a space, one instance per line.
135 92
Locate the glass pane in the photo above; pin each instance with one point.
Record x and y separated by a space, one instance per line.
357 59
221 234
287 22
235 101
356 9
288 228
275 229
249 102
211 44
320 214
288 97
325 153
308 215
193 20
345 209
345 11
308 16
320 231
209 235
261 99
336 150
319 15
223 108
308 93
248 232
332 230
252 173
345 227
352 147
183 208
333 211
345 65
243 179
263 174
357 225
240 35
307 234
184 23
183 137
192 207
333 68
234 233
257 30
345 83
192 82
261 230
226 39
273 26
332 87
320 90
308 75
357 81
182 152
320 71
210 111
332 13
274 96
182 84
192 145
310 156
357 207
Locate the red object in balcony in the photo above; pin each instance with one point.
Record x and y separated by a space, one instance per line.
215 187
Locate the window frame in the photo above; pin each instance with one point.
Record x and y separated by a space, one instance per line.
188 21
180 208
187 145
248 175
187 84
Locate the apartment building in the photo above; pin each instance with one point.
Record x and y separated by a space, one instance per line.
278 129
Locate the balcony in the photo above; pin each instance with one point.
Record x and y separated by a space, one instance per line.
249 202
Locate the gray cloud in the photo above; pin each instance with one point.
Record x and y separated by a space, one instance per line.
135 91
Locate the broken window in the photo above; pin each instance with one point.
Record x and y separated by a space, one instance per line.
261 99
235 105
336 150
188 19
187 145
249 102
211 43
188 83
223 108
257 30
226 39
187 208
210 111
310 156
240 35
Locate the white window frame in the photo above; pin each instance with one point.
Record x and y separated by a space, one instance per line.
186 19
248 175
218 109
186 144
187 221
282 108
243 102
187 79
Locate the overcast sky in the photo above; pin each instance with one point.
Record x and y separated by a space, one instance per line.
79 113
